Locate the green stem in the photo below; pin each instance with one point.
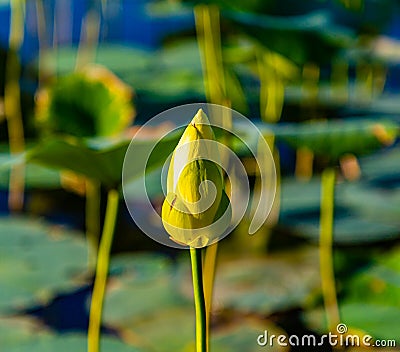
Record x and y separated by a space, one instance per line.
210 260
326 239
200 307
92 219
103 258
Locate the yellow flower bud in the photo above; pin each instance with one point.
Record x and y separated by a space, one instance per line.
195 190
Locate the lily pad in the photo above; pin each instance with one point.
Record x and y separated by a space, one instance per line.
333 139
382 165
379 283
370 299
140 286
21 334
372 203
120 59
174 330
36 176
97 158
354 222
243 335
379 321
263 285
37 261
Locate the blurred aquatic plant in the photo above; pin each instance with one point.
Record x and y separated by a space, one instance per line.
92 102
87 103
12 104
333 140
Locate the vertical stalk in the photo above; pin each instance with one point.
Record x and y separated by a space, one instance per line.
96 306
88 42
199 302
326 239
92 219
210 260
209 41
12 104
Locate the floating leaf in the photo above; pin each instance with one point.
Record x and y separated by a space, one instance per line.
379 321
99 159
24 335
243 335
382 166
369 299
265 285
174 330
354 222
372 203
378 283
140 286
120 59
37 261
333 139
36 176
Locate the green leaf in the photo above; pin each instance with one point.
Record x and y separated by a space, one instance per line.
266 285
120 59
25 335
379 321
242 336
36 176
378 283
37 261
97 158
362 214
174 330
333 139
140 286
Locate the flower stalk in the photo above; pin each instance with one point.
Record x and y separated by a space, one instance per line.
103 259
325 249
196 210
199 302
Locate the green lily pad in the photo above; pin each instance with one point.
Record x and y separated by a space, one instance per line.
264 285
379 321
36 176
98 158
333 139
170 329
140 286
382 164
372 203
354 219
295 36
349 230
37 261
120 59
174 330
370 299
102 164
21 334
378 283
243 335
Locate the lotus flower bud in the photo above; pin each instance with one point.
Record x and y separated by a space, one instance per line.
195 188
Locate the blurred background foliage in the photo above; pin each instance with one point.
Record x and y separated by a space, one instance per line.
320 78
